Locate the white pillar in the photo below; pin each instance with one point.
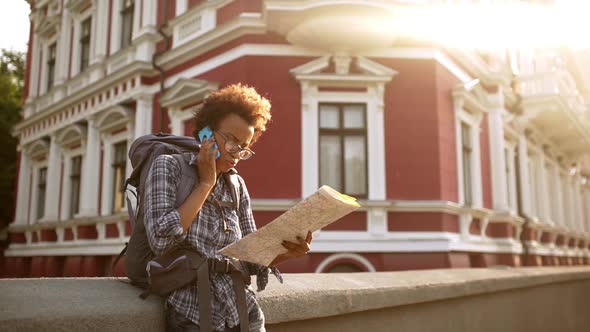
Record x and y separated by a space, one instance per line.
53 182
66 192
90 173
95 27
100 32
132 130
512 197
143 116
376 147
523 169
43 69
149 16
587 209
136 29
35 61
24 179
107 180
181 6
579 215
176 127
559 213
476 164
544 210
63 50
497 157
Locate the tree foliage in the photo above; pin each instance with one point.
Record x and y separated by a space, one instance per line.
12 73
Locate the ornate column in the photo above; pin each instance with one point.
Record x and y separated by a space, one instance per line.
35 61
544 210
90 172
497 155
132 132
53 181
100 33
560 216
24 182
524 179
578 208
63 50
143 116
66 193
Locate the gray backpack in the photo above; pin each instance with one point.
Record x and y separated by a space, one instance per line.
180 266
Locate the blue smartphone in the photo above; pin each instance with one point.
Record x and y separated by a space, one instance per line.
204 135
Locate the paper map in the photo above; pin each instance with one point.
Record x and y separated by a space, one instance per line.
315 212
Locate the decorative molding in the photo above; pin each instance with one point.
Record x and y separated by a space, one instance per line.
71 134
187 91
77 6
345 256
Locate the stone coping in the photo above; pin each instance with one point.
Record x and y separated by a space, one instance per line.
106 304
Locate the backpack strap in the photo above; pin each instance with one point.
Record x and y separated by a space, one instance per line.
231 179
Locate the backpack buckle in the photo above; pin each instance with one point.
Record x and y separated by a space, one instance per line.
220 265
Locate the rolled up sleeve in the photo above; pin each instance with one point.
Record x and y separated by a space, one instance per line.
162 220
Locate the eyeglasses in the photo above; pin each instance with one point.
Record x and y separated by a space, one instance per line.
232 147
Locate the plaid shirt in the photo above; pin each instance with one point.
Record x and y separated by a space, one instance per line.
206 236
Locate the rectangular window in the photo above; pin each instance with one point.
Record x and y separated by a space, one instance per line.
75 175
119 163
51 56
343 148
41 190
466 154
126 23
85 29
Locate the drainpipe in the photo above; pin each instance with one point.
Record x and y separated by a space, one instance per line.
158 54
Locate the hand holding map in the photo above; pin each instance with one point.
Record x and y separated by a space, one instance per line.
315 212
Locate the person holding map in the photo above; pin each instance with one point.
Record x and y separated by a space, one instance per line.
227 125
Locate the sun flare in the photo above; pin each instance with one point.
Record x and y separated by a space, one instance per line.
492 25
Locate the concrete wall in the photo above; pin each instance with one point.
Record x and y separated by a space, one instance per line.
502 299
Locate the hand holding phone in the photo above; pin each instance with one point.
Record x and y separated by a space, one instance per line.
206 133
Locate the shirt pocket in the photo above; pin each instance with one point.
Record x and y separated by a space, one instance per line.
232 224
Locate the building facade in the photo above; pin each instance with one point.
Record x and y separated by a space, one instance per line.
456 161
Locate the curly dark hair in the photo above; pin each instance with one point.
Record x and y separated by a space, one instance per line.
238 99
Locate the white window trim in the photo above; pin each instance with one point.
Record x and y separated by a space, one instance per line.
76 49
34 217
116 27
374 79
474 123
106 126
311 97
66 183
107 179
36 150
350 256
185 92
65 139
44 69
177 119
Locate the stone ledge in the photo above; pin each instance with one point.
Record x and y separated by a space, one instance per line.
342 293
105 304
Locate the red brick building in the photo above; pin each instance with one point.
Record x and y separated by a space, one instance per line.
456 162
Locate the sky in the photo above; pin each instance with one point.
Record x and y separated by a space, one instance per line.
14 24
568 17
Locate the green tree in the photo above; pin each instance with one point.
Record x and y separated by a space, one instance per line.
12 73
